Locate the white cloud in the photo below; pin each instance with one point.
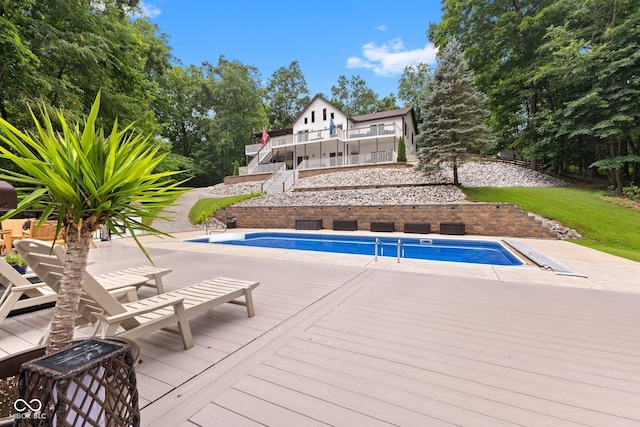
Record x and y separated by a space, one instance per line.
147 11
391 57
381 28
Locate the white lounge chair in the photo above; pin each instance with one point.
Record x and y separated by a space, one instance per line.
137 318
16 286
47 264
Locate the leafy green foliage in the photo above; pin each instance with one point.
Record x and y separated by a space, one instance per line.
632 192
87 177
14 258
205 208
286 94
580 209
353 96
561 76
413 86
63 52
615 162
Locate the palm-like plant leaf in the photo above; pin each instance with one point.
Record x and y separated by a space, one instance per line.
89 179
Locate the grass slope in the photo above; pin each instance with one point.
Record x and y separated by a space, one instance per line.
604 226
205 208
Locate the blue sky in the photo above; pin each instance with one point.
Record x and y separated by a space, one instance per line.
374 40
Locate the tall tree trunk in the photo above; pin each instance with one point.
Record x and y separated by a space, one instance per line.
616 171
66 308
455 171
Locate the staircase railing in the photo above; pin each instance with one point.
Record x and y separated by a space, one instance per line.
260 157
274 176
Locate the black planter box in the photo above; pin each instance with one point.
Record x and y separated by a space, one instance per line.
417 227
345 224
308 224
382 226
453 228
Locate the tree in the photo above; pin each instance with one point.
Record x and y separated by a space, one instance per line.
453 115
183 106
88 179
500 39
387 103
237 96
402 150
353 96
62 52
412 87
594 61
286 94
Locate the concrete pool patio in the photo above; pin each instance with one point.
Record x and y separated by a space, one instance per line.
343 340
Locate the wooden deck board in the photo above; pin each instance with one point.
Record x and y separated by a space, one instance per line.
262 411
213 414
378 409
311 406
361 346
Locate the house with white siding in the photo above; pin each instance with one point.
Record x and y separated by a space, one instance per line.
323 136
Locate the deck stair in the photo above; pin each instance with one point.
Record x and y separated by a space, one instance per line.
280 181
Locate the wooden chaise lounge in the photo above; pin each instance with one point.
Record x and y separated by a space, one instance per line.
135 318
139 318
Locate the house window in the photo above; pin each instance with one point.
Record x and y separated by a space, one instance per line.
332 116
313 117
305 120
324 114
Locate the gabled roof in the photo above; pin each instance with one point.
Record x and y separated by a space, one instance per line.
318 96
381 115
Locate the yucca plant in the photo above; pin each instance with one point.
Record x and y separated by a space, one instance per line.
87 179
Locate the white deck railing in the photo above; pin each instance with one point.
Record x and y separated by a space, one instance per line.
355 159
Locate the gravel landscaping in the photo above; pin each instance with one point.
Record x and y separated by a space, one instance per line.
472 174
426 189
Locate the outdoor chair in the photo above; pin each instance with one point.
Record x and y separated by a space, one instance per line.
20 293
132 318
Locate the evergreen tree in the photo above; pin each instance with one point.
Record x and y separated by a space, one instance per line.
402 150
453 115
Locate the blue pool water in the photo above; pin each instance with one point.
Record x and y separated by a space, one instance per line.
454 250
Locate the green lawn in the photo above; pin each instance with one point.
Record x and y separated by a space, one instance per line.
204 208
604 226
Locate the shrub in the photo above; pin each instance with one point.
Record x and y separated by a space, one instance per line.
402 150
632 192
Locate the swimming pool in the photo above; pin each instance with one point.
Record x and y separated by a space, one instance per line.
436 249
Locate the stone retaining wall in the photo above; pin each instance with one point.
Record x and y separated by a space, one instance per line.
237 179
485 219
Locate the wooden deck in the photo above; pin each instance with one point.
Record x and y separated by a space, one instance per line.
357 346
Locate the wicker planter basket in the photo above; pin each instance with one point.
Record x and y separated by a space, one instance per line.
91 383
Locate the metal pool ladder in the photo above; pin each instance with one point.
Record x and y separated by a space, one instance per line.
376 246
